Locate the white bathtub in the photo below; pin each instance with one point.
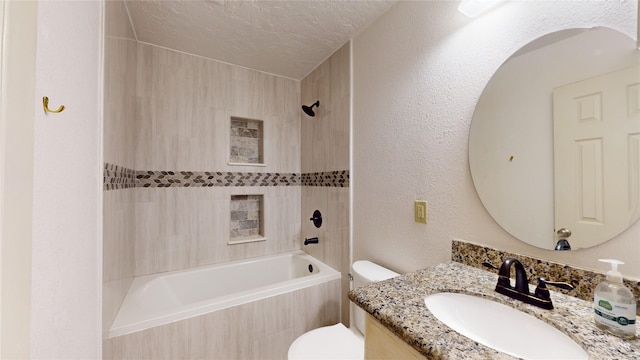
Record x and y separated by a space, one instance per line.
159 299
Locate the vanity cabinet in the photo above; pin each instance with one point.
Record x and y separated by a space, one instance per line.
380 343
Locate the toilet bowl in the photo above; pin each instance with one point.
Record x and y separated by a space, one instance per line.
328 342
337 341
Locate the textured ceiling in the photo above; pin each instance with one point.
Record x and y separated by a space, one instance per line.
286 38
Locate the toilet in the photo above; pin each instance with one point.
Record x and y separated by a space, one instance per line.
338 341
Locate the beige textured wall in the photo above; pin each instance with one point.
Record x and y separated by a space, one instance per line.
325 147
418 73
119 119
66 243
18 48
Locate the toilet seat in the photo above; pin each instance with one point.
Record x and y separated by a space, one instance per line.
329 342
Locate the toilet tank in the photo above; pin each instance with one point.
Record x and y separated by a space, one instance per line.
365 272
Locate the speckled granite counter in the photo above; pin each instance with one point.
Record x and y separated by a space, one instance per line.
399 305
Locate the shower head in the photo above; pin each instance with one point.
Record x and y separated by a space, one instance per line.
309 109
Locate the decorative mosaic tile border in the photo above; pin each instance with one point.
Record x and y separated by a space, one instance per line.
117 177
584 281
331 178
211 178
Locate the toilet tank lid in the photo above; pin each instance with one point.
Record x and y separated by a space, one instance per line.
372 272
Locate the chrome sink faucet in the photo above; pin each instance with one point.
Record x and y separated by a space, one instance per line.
541 297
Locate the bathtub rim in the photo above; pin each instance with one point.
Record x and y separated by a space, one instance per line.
204 307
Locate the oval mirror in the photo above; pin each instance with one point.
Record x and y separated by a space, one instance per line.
554 144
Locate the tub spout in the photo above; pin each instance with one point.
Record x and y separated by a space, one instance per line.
313 240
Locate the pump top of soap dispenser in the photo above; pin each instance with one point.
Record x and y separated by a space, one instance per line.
613 275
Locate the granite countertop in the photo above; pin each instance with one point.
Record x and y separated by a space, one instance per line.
398 304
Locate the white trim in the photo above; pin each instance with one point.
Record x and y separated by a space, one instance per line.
352 320
246 164
99 175
2 142
246 240
17 97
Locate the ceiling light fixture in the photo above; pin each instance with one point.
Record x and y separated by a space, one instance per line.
473 8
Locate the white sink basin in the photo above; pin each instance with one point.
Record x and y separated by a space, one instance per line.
502 328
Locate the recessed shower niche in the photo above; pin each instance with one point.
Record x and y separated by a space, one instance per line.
246 141
247 219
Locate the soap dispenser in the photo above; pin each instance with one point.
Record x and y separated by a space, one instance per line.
614 304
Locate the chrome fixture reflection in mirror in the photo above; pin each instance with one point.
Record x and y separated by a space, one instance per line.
563 243
536 170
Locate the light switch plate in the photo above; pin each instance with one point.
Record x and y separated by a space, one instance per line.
420 211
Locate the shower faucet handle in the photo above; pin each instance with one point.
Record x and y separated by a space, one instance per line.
316 218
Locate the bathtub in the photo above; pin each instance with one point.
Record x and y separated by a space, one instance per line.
159 299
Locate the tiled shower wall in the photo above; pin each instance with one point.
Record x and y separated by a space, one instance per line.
119 138
168 114
325 148
183 125
168 182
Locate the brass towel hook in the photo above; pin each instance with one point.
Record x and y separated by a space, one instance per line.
45 104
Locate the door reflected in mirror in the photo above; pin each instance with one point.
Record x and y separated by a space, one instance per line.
581 86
